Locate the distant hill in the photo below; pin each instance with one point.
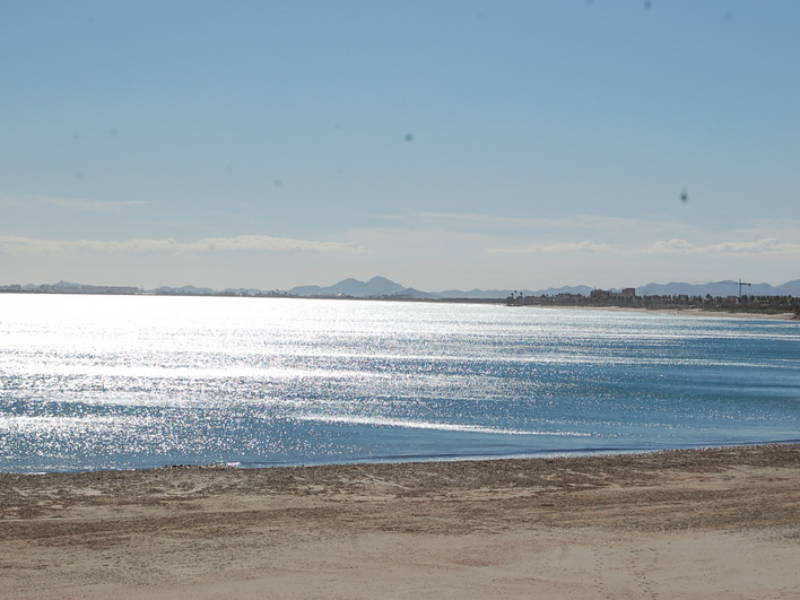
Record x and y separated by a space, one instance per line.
719 288
375 287
381 286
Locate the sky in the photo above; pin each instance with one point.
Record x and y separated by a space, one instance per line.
443 144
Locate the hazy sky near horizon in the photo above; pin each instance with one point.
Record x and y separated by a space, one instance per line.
443 144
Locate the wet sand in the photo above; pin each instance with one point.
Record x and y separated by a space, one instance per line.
719 523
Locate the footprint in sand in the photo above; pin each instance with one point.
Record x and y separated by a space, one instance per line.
600 570
639 563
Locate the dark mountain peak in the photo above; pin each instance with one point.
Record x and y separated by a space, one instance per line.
377 286
382 280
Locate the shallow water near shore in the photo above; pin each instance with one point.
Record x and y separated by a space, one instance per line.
117 382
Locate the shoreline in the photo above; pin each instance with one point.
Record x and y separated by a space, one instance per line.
279 474
701 523
480 301
409 460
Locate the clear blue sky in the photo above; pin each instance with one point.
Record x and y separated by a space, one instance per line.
439 143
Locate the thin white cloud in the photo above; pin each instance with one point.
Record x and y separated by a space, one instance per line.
597 234
241 243
11 202
86 205
582 222
764 246
68 203
271 244
675 246
555 248
388 217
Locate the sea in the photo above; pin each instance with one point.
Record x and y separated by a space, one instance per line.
130 382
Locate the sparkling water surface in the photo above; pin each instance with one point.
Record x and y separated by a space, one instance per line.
99 382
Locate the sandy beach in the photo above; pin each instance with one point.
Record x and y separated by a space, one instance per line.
718 523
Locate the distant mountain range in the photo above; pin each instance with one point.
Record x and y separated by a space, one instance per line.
381 287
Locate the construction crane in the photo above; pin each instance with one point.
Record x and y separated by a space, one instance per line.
741 283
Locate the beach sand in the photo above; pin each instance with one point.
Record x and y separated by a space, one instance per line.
718 523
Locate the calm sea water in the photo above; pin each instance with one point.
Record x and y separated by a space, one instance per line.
98 382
